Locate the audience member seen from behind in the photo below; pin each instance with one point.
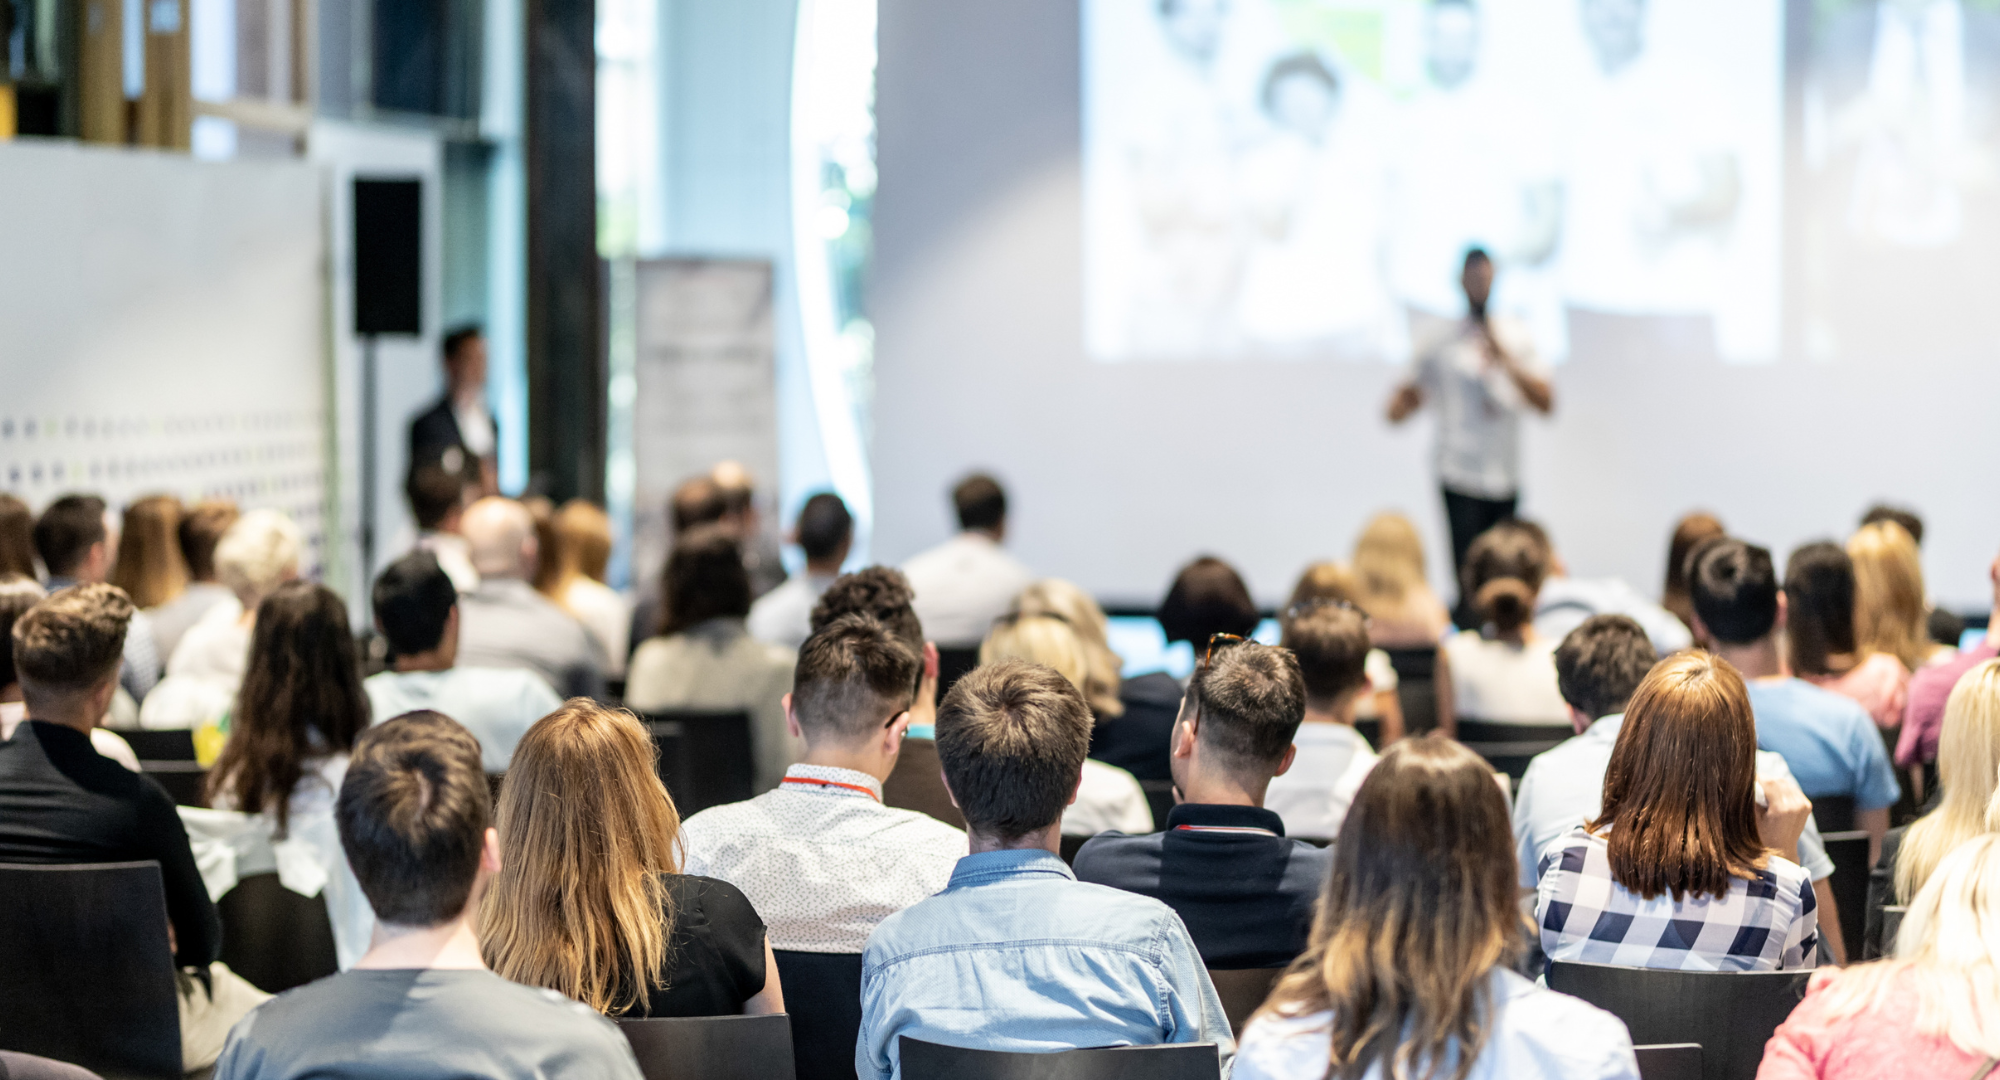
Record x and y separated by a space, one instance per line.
965 583
73 536
573 576
295 721
825 534
17 537
17 595
199 530
1331 644
1820 642
1393 585
1224 864
415 818
149 566
1917 744
1891 609
505 623
1331 583
1929 1009
1598 666
1968 776
1829 742
437 501
744 520
1505 672
821 858
1135 717
62 802
703 656
1692 861
1109 798
1410 965
625 932
259 552
1563 602
1689 533
1015 954
417 613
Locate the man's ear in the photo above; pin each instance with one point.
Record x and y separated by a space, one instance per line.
931 660
1784 610
489 852
1182 743
1700 630
1077 790
946 781
1578 720
791 719
1285 763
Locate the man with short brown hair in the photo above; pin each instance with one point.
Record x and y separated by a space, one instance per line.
1016 954
1331 644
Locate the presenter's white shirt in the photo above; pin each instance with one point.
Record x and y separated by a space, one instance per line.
1498 682
1478 406
1313 795
475 427
962 585
498 705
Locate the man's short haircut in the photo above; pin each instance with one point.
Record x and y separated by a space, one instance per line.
413 599
413 813
456 338
18 593
66 530
1910 522
824 525
704 579
1734 588
1331 646
201 528
72 640
1012 737
1208 597
980 501
853 675
1601 662
881 591
1475 253
696 502
1250 701
434 492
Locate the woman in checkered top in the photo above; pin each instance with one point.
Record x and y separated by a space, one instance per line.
1692 864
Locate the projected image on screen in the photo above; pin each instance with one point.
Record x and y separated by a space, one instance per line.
1302 177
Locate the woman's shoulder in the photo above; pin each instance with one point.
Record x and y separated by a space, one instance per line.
713 900
1542 1024
1277 1045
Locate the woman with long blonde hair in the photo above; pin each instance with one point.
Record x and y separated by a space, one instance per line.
576 550
1889 601
1968 773
590 901
1408 970
1394 588
1932 1009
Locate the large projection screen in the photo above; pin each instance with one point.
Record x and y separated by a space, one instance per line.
1159 266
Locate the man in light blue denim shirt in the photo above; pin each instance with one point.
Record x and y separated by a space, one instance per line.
1016 954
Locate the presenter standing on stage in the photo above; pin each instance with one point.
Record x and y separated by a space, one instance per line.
1480 376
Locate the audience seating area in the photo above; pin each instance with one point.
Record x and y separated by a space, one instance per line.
1730 1015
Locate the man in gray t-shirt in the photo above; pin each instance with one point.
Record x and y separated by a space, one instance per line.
414 819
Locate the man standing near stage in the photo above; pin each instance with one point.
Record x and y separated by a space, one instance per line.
1481 375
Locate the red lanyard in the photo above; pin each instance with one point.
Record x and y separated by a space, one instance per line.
816 782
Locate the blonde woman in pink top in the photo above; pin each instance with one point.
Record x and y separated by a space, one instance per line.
1820 635
1933 1010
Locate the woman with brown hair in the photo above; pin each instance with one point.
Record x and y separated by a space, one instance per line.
576 549
149 567
1505 672
1689 532
590 901
1392 586
1820 641
17 537
1693 858
1409 968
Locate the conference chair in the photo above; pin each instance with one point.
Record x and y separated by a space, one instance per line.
1370 730
1069 845
1416 687
89 978
713 1047
1881 892
1834 814
1849 852
952 666
823 996
704 756
1672 1061
1243 991
15 1066
916 784
274 937
168 757
1509 747
1159 800
1730 1014
1890 923
1180 1061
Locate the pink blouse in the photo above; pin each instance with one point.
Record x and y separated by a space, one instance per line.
1877 1044
1880 683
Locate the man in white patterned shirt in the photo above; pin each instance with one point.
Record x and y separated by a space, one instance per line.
821 859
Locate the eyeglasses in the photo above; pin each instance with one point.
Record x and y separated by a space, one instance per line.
1217 643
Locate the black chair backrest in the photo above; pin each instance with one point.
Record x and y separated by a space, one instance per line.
916 784
1069 845
1370 730
1243 991
274 937
713 1047
1672 1061
705 757
1159 800
88 975
952 666
1892 924
1416 687
168 757
1731 1014
1849 852
1509 747
1833 813
823 996
1182 1061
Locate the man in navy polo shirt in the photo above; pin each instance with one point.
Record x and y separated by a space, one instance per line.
1223 863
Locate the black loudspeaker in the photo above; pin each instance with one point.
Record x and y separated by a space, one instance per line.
388 257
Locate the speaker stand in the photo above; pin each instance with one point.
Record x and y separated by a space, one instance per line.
368 464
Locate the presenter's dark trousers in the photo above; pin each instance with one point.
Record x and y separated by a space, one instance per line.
1469 516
